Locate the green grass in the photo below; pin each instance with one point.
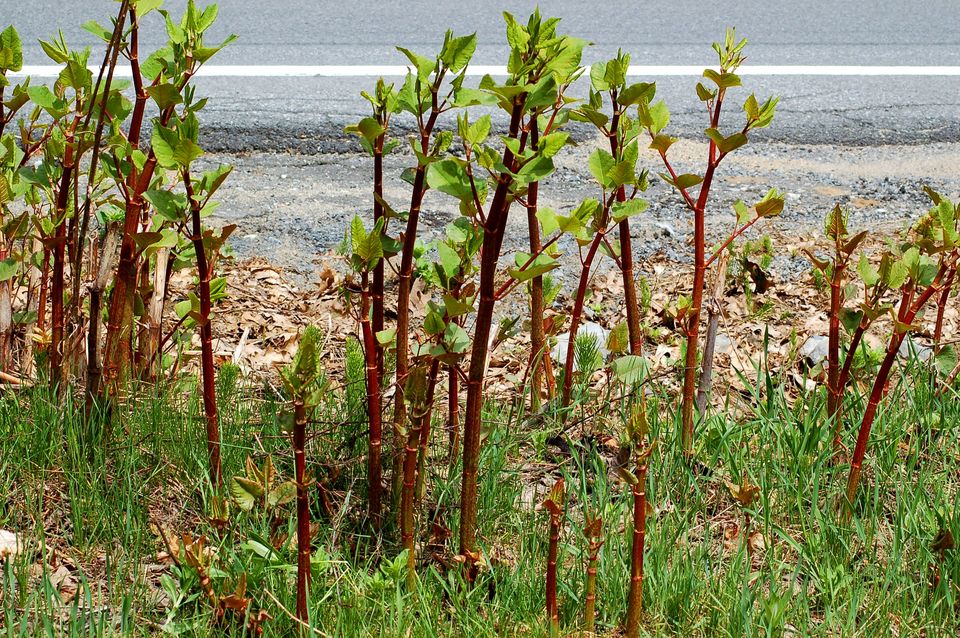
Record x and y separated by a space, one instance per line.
88 498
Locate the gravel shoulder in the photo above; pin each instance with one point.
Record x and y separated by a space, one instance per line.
292 209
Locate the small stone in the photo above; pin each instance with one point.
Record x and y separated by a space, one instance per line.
910 348
723 344
9 544
815 350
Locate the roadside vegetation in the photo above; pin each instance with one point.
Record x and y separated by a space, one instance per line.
384 486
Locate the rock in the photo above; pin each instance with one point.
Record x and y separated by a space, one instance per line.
723 344
9 544
910 348
666 230
815 350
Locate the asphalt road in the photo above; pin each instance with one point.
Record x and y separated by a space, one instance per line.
307 114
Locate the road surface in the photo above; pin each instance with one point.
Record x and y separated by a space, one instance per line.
307 114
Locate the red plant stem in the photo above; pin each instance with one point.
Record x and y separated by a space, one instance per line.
377 292
537 337
59 257
692 328
424 451
44 282
576 314
844 377
626 248
942 307
6 320
117 351
453 414
208 372
303 507
833 346
710 340
374 410
420 412
492 241
590 600
553 613
635 599
93 344
908 312
405 278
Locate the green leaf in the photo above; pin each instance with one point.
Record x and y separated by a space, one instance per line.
893 272
683 182
11 50
171 151
726 144
704 93
76 75
245 492
456 52
455 307
850 319
517 36
636 93
543 263
752 108
770 207
282 494
97 29
170 206
661 143
600 163
946 360
549 220
8 269
551 144
535 170
448 176
622 210
358 237
456 338
449 259
654 116
478 131
424 66
723 80
368 128
165 95
598 75
630 369
867 272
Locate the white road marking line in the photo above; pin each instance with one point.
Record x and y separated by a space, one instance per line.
303 71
